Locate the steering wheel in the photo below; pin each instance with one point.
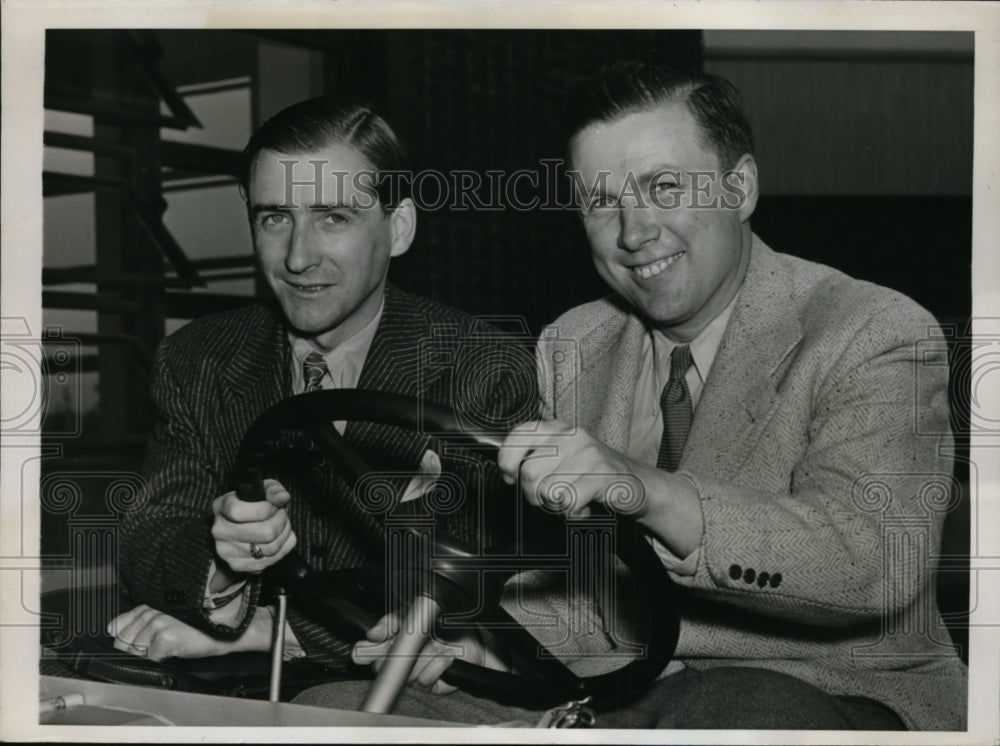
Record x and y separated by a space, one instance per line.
541 680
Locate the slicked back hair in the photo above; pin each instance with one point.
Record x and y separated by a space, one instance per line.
630 87
319 122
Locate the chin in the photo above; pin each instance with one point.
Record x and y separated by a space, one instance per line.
656 310
310 326
663 318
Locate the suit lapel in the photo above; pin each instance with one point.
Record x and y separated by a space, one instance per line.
394 364
740 394
258 375
622 360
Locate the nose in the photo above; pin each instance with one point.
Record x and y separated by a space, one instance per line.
637 227
302 253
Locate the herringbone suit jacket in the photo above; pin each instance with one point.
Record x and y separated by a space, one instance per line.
217 374
820 450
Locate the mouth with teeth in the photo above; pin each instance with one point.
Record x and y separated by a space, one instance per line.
312 289
647 271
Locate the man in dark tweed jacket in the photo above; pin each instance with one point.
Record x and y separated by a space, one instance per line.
325 224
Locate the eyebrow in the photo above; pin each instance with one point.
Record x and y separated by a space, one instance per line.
646 177
257 209
642 179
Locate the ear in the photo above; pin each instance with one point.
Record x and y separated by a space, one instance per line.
742 183
403 224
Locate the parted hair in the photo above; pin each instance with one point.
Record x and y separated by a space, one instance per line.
629 87
318 122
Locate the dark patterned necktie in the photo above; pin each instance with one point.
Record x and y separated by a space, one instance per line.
313 370
675 404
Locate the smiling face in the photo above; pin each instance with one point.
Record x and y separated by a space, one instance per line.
668 229
323 240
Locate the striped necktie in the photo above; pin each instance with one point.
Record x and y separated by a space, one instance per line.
675 404
313 370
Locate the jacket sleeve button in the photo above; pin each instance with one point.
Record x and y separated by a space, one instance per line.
762 579
776 580
749 575
735 572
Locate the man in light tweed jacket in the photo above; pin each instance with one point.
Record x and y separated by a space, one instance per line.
794 493
805 510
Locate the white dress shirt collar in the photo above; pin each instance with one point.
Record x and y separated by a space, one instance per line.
703 350
344 362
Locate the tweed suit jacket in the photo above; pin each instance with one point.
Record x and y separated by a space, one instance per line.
217 374
818 448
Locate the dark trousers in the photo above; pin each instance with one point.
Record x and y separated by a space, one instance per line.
721 698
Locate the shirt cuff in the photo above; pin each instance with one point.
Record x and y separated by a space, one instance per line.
430 470
687 566
227 607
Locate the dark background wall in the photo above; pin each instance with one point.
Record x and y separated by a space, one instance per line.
865 154
479 100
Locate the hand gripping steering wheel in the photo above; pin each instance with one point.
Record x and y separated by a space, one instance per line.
541 680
